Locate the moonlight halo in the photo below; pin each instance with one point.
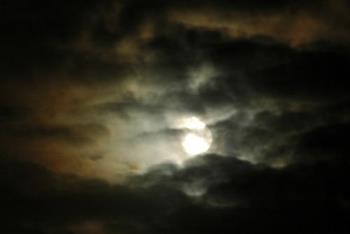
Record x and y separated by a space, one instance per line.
198 138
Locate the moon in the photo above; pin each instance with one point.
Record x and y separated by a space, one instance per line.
197 139
194 144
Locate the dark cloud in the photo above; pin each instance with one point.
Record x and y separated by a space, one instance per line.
11 113
325 142
308 75
303 198
80 135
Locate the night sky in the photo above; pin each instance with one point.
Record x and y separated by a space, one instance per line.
174 117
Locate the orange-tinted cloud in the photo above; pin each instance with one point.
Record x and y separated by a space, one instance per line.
295 27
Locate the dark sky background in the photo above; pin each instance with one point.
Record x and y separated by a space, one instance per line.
92 94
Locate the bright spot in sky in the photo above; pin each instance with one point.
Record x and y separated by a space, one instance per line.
198 138
195 144
194 123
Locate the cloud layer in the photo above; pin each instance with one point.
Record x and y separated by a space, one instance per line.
92 94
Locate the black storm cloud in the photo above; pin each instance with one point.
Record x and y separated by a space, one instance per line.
95 95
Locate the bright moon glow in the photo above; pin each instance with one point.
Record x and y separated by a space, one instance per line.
198 139
195 144
194 123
